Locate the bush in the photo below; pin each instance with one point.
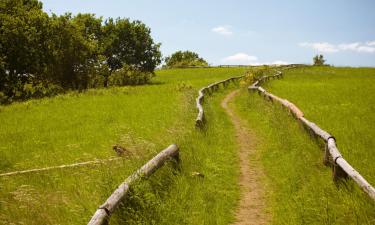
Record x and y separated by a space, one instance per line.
319 60
29 89
129 76
184 59
255 74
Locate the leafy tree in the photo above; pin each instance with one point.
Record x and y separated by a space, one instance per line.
319 60
23 43
42 54
129 43
75 49
181 59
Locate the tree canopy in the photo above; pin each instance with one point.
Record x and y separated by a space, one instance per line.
319 60
41 53
182 59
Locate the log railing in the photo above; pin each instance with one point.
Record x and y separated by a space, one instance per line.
104 212
200 121
332 156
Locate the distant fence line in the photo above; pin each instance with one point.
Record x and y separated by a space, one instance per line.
104 212
332 156
228 66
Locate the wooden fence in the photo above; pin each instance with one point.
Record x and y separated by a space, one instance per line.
332 156
200 121
228 66
104 212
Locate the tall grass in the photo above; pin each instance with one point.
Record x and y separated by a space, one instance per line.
341 101
144 119
301 190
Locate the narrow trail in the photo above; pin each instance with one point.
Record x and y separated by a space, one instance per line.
251 209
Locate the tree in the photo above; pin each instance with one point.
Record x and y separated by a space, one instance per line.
318 60
74 41
23 43
38 51
129 43
181 59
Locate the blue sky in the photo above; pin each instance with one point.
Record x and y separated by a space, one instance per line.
249 32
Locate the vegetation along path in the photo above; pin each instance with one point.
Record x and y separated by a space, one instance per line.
251 209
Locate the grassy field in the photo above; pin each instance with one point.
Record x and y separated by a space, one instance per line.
79 127
341 101
145 119
301 188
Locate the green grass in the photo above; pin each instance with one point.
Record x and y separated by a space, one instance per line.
145 119
300 186
341 101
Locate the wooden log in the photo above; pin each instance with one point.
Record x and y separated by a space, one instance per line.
260 89
59 167
101 216
317 130
295 110
199 122
352 173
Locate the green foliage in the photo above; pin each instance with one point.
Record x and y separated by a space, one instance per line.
73 52
319 60
182 59
129 76
129 42
255 73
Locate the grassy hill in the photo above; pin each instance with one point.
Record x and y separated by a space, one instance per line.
83 126
301 187
80 127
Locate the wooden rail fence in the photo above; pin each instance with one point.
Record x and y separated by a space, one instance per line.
104 212
200 121
332 156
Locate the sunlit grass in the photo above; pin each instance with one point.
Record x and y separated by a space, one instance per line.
341 101
83 126
301 190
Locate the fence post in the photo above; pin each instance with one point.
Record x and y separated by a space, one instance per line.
338 173
326 157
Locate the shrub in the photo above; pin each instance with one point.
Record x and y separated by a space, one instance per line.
129 76
184 59
319 60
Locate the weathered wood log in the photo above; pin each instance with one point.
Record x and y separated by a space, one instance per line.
294 109
317 130
200 120
59 167
104 212
261 90
352 173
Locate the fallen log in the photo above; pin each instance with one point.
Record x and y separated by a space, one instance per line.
104 212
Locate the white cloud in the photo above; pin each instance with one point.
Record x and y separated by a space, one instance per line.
325 47
240 58
245 59
223 30
358 47
368 49
279 62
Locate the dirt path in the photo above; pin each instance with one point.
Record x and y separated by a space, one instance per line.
251 209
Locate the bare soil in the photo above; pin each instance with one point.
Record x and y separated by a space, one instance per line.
251 208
